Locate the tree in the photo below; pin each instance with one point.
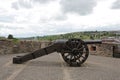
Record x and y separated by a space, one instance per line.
10 36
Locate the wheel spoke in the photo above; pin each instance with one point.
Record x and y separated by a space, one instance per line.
70 59
72 45
78 45
83 57
82 51
68 47
79 61
75 58
67 51
81 48
67 55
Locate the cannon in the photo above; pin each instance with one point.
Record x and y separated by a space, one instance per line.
73 51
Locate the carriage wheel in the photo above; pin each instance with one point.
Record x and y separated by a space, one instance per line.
75 52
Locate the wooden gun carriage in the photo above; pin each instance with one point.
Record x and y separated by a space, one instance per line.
74 51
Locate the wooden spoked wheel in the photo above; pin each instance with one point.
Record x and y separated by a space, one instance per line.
75 52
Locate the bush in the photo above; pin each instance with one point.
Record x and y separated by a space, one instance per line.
10 36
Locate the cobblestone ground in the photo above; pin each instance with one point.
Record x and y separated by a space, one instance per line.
52 67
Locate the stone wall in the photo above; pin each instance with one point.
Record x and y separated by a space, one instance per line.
11 47
102 49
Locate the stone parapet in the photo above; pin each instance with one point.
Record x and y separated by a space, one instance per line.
10 47
104 49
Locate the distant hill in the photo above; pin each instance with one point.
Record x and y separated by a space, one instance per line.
83 35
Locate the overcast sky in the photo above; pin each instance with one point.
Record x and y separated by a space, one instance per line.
24 18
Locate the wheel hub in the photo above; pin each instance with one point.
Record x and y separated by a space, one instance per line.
75 51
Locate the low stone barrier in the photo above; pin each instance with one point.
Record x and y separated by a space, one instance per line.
10 47
102 50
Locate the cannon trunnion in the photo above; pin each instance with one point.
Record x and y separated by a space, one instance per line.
74 51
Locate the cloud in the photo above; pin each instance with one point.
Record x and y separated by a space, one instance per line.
108 27
11 27
28 30
42 1
60 17
38 13
15 5
22 3
6 18
28 3
116 5
6 29
82 7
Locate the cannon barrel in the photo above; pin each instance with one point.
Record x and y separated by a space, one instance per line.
35 54
93 41
74 51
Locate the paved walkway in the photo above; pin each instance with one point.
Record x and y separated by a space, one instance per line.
52 67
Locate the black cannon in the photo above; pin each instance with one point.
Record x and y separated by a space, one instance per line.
74 51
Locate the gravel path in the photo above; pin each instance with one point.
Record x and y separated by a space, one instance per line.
52 67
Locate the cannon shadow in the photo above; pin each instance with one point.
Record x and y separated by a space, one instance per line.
53 64
45 64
